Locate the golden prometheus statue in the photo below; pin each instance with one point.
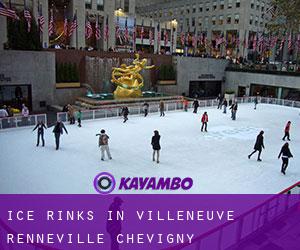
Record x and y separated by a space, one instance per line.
128 79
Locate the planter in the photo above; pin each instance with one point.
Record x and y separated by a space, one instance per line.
67 85
229 97
166 82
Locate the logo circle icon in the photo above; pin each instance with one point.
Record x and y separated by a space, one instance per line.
104 183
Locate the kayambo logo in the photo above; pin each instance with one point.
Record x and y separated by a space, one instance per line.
105 183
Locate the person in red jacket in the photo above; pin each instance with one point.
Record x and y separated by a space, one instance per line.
204 121
287 131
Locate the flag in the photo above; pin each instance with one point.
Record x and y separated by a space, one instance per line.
27 17
97 30
65 25
41 19
134 35
126 34
220 40
88 28
261 43
273 41
142 32
106 30
182 38
73 26
4 11
151 34
255 42
51 23
282 43
166 36
158 35
194 39
118 31
290 44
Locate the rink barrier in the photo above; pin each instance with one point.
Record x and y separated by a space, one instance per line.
247 224
115 111
21 121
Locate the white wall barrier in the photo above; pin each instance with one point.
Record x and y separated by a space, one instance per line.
20 121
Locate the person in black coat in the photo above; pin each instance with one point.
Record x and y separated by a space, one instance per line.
259 145
286 154
125 113
40 133
234 108
58 130
225 104
156 145
196 106
146 108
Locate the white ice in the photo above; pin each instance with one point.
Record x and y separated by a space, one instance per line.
217 161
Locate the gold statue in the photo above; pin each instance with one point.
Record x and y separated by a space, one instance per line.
128 79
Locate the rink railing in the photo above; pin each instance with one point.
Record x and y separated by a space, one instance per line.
21 121
233 233
113 111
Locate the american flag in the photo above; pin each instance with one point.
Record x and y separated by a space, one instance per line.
106 30
134 35
65 26
194 39
261 42
27 17
142 32
151 34
51 23
220 40
126 34
166 36
255 42
88 28
182 38
273 42
74 25
97 30
41 20
282 43
118 31
4 11
290 44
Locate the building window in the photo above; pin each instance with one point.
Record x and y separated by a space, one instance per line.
221 20
193 21
100 5
257 5
194 8
200 21
256 21
262 7
213 20
182 11
222 5
236 18
215 5
201 8
126 6
251 20
229 19
187 22
238 3
207 6
88 4
252 4
206 22
229 4
261 24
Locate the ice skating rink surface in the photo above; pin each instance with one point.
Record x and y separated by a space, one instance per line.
217 160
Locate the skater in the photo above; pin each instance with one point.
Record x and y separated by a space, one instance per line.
40 133
125 113
79 117
71 112
146 109
58 131
185 105
259 145
204 121
219 99
255 102
103 144
162 108
287 131
156 145
225 104
234 108
286 154
195 106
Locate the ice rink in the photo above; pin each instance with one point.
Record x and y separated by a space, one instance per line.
217 161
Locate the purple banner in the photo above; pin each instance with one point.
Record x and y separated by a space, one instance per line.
149 222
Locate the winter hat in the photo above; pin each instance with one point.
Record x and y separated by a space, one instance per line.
102 131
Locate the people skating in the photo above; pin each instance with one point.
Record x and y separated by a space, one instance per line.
255 102
71 114
79 117
103 144
195 106
234 108
225 104
287 131
185 105
259 145
3 112
220 101
155 142
125 113
146 108
58 131
286 154
40 132
204 121
162 108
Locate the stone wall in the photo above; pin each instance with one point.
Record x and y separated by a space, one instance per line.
31 68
